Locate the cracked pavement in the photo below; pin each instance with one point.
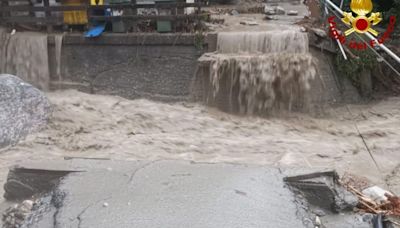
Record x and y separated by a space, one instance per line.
170 193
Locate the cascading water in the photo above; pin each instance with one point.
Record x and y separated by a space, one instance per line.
58 40
262 42
259 72
25 54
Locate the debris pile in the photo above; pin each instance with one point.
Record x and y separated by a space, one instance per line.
15 216
324 193
376 201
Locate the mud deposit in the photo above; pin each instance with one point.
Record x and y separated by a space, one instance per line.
86 125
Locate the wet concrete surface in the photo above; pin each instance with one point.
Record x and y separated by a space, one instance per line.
173 193
178 194
170 194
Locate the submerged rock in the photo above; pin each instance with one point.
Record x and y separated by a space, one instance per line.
23 109
269 17
280 10
234 12
319 32
269 10
293 13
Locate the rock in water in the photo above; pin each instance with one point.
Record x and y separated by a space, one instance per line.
23 109
269 10
279 10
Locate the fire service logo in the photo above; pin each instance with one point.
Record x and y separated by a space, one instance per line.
362 23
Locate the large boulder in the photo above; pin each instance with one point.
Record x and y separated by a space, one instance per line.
23 109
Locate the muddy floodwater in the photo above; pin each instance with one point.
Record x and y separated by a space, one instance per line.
97 126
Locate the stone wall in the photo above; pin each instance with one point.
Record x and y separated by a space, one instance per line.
153 66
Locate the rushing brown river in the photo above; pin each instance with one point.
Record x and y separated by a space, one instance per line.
266 71
86 125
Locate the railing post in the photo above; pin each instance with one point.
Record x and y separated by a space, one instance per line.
47 16
180 9
135 13
31 13
89 13
199 5
5 3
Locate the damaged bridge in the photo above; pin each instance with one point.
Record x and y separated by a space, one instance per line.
165 193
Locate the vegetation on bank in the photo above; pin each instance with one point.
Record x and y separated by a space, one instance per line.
353 68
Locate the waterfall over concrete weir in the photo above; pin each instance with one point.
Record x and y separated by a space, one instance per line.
258 72
262 42
25 55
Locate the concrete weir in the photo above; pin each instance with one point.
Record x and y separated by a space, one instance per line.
157 66
266 72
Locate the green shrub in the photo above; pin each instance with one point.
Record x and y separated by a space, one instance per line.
352 68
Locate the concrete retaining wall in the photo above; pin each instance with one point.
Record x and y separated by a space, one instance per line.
157 66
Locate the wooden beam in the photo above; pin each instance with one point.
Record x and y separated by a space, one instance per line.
41 8
108 38
33 20
46 4
6 8
151 17
135 13
13 1
180 9
199 4
4 4
144 6
59 21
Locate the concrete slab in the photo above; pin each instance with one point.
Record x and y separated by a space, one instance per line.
178 194
169 194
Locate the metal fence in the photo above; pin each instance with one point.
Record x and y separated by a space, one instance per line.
50 14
